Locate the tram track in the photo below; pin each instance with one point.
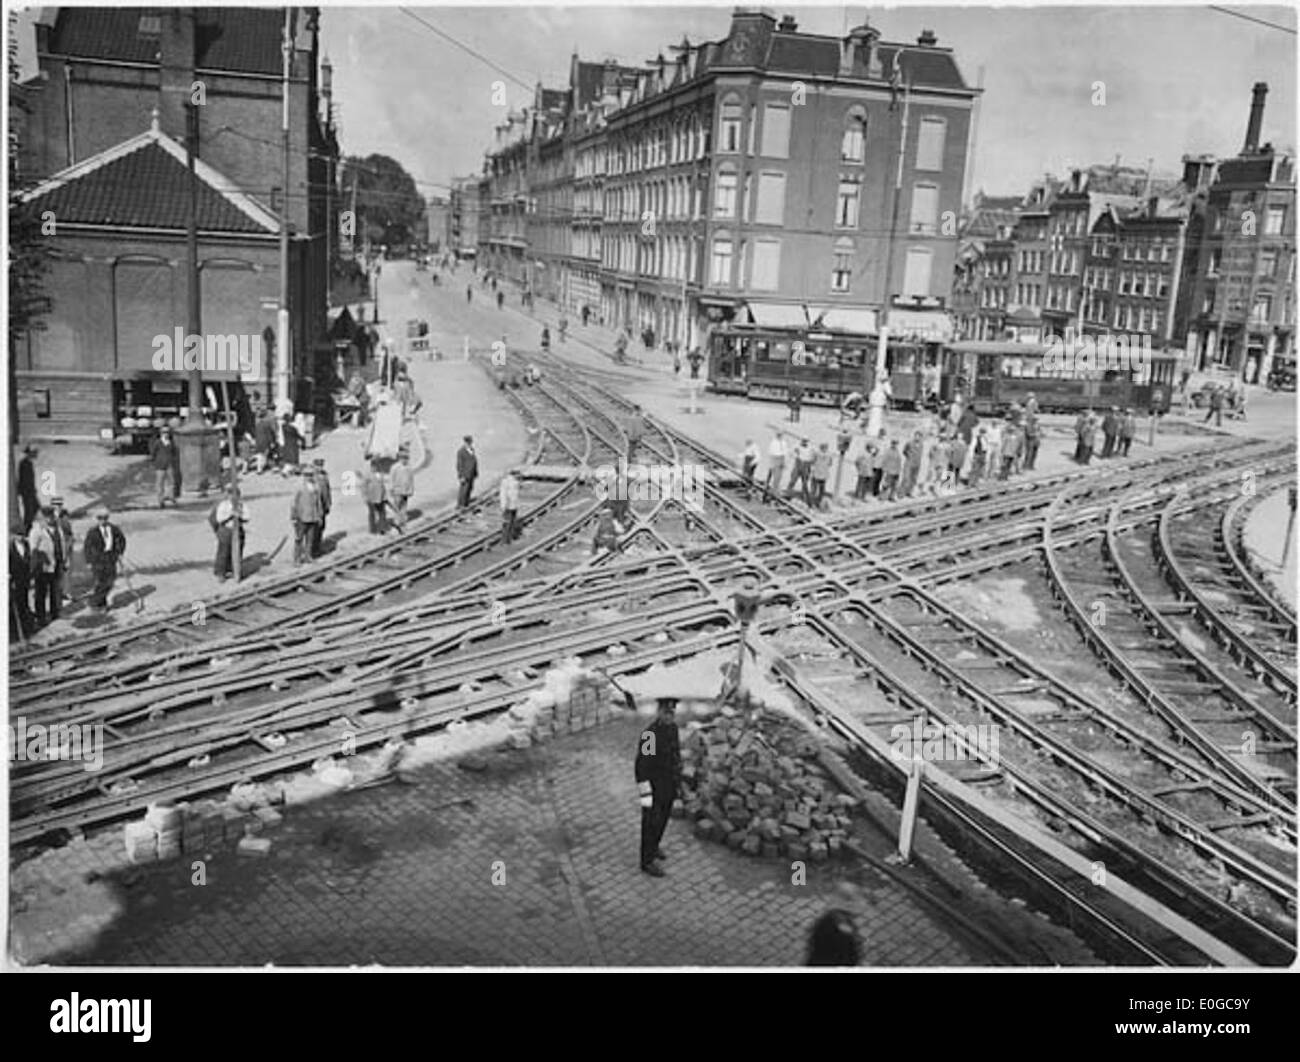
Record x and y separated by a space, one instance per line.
402 695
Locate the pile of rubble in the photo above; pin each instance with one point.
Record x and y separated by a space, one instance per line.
756 781
572 698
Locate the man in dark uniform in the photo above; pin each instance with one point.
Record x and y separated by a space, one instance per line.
658 772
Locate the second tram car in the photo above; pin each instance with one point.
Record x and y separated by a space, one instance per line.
996 375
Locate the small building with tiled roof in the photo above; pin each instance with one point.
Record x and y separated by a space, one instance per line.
116 225
103 71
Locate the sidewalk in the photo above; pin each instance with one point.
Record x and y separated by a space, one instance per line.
170 552
1263 537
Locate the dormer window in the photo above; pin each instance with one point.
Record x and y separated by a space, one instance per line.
150 26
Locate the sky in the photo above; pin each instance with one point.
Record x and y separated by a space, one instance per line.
1177 79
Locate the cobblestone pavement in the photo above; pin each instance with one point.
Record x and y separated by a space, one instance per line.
539 870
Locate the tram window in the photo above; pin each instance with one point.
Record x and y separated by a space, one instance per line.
850 357
762 350
780 350
986 365
902 360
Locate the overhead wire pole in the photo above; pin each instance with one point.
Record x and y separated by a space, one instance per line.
283 352
882 349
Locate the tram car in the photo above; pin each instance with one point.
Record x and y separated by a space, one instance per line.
996 375
826 365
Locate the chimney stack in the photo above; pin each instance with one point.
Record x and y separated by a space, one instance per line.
1256 117
927 39
788 24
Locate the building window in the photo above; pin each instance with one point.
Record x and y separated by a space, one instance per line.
1207 303
767 265
720 268
1262 310
846 204
771 199
776 130
1268 262
1274 221
729 133
929 144
925 209
724 199
842 274
916 277
853 146
1212 269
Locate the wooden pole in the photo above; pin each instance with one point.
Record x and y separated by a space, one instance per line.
910 802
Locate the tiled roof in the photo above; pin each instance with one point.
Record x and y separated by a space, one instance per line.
143 183
802 53
241 39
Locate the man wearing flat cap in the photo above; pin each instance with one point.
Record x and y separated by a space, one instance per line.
658 772
104 547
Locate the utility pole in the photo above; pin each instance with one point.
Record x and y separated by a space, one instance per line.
882 347
283 341
197 443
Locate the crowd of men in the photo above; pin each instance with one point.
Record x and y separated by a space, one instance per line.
951 450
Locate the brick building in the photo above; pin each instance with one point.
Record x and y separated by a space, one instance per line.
758 171
1239 313
104 75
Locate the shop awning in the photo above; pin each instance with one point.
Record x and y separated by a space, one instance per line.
934 325
777 314
846 319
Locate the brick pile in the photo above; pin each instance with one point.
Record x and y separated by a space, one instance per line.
167 830
572 698
755 782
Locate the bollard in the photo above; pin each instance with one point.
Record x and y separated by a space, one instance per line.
910 801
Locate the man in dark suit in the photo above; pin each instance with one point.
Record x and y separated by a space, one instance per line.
658 772
466 471
27 487
105 545
20 586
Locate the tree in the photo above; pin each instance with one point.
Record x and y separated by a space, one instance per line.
390 209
